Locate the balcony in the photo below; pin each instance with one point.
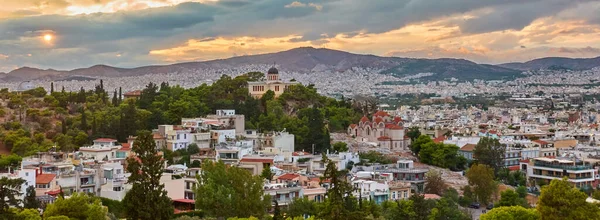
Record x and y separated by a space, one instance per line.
563 167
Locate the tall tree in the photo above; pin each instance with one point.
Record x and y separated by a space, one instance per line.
560 200
513 213
10 192
277 215
435 183
115 100
229 191
30 202
84 124
511 198
490 152
51 88
481 179
337 196
147 198
120 95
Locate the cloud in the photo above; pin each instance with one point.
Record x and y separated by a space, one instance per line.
584 50
183 28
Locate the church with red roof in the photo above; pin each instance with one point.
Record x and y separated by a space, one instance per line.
383 129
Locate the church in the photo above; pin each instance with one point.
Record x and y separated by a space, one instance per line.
272 82
383 129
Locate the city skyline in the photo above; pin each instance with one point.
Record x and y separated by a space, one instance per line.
67 34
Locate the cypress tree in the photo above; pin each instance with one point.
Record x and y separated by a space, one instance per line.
115 100
147 198
120 95
30 201
51 88
84 125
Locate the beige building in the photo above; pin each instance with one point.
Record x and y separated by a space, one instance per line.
384 130
273 83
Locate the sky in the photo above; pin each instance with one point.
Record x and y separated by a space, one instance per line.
68 34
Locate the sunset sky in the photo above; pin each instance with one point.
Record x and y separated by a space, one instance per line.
67 34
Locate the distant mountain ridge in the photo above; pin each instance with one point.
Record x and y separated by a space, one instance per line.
556 62
308 59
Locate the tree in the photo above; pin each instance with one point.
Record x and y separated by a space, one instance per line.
30 202
266 173
481 178
522 191
435 183
147 198
512 213
340 147
51 87
560 200
511 198
10 191
300 207
447 209
490 152
28 214
115 99
413 133
78 206
10 161
277 215
336 198
416 145
229 191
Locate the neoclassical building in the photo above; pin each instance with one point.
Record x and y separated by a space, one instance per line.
383 129
272 82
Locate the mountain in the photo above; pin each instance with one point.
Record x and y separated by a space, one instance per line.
556 63
308 59
460 69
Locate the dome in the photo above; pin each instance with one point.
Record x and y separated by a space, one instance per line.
273 70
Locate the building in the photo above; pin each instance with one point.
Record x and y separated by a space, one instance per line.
467 151
371 190
399 190
382 129
542 169
102 149
406 172
133 94
273 83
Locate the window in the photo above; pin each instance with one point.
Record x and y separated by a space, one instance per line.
177 136
276 88
26 174
393 195
42 186
117 189
184 136
405 194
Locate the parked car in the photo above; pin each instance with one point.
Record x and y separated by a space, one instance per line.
475 205
490 206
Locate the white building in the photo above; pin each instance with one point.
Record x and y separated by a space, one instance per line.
102 149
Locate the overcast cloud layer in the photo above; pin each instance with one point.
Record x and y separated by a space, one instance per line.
130 33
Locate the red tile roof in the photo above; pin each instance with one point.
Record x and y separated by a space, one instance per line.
44 178
378 120
431 196
468 147
394 127
133 93
439 139
53 192
157 136
353 125
105 140
257 160
300 153
364 119
397 119
125 146
288 176
540 142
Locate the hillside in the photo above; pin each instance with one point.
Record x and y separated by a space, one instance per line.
460 69
308 59
556 63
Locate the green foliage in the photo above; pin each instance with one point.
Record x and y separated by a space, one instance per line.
522 191
115 207
511 198
28 214
413 133
340 147
447 209
337 205
30 202
512 213
435 183
78 206
481 178
196 214
38 92
418 143
490 152
11 160
10 192
441 155
266 173
300 207
375 157
146 170
228 191
560 200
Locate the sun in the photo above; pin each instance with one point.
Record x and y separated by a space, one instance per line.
48 37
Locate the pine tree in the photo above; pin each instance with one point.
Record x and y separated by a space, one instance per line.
51 88
10 191
336 197
63 90
277 212
64 126
147 198
30 201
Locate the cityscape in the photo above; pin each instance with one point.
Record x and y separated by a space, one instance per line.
294 110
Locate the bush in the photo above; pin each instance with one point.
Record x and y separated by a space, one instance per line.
196 213
303 160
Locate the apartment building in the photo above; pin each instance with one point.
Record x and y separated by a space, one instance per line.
543 170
